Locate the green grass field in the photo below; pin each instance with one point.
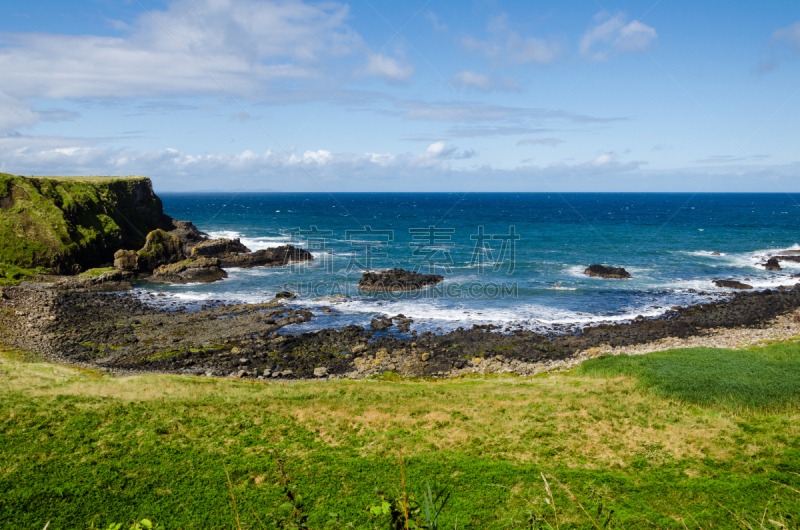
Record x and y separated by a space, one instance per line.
681 439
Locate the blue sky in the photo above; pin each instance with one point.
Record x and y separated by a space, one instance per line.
405 96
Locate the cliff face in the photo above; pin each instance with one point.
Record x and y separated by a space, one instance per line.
69 224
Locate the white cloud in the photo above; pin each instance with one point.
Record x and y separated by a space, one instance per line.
604 160
438 26
14 115
383 66
788 35
614 35
784 45
432 170
319 157
216 46
469 78
552 142
382 159
474 111
509 46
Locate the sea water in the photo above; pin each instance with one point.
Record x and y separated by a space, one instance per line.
508 259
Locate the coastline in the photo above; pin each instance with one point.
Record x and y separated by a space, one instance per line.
120 334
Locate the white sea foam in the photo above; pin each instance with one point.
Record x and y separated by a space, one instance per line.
255 243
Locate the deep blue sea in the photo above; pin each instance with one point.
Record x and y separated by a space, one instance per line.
510 259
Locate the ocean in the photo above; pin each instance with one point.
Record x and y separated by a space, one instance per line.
509 259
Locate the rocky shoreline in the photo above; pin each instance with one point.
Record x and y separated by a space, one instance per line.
120 333
94 320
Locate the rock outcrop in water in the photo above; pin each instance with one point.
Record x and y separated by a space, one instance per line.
160 248
188 234
772 264
380 324
203 270
269 257
600 271
732 284
218 247
397 280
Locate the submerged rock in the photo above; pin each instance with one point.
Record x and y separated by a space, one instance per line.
270 257
204 270
397 280
731 284
601 271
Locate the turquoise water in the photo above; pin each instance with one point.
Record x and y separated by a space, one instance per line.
533 278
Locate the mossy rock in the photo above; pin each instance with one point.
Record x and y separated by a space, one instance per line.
202 270
160 248
70 224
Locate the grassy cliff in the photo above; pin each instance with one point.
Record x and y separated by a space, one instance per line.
69 224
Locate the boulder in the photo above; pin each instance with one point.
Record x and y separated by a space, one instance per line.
126 260
397 280
380 324
270 257
715 253
403 322
202 270
600 271
284 295
160 248
320 372
188 234
731 284
772 264
218 247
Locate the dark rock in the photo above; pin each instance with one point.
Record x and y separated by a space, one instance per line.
402 322
160 248
284 295
772 264
600 271
204 270
218 247
397 280
732 284
188 234
794 259
380 324
715 253
270 257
